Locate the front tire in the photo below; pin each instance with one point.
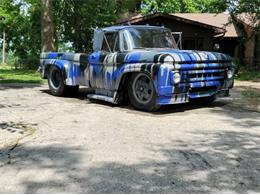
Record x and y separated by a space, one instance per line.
141 91
56 84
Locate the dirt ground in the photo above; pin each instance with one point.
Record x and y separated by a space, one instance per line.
72 145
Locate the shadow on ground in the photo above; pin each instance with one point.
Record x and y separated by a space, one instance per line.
239 115
168 109
17 85
219 162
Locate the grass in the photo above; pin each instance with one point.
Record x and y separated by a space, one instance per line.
252 97
245 75
11 75
251 93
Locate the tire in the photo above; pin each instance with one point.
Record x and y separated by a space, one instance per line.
141 91
56 84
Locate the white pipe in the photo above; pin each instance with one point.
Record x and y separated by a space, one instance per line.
3 51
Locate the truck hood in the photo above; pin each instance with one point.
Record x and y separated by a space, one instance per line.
175 56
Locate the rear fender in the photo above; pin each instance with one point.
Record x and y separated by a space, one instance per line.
70 71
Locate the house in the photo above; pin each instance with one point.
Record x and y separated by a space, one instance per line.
208 31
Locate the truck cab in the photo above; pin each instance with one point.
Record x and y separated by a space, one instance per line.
143 64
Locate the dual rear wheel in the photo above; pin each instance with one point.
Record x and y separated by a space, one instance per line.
56 83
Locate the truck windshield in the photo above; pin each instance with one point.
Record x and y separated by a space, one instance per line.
139 38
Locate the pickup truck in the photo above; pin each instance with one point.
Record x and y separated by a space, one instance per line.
141 64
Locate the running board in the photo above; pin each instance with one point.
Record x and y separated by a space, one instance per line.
102 97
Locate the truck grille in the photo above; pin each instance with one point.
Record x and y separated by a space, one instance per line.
205 81
203 75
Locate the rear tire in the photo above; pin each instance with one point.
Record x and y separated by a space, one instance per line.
56 84
141 91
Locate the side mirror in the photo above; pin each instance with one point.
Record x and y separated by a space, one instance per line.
216 47
98 40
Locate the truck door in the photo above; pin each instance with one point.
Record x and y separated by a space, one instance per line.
103 62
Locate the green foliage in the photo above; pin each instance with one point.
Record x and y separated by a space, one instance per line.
77 19
183 6
248 75
10 75
240 6
211 6
22 26
247 6
7 12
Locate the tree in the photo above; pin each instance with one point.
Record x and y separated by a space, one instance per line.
77 19
249 19
47 27
5 21
251 7
183 6
22 27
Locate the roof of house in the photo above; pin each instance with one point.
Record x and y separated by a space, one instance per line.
116 28
222 20
221 23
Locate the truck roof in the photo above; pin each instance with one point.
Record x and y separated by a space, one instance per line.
117 28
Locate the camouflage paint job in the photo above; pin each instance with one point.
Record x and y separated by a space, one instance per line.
202 73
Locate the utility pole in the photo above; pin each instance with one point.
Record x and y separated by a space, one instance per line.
3 49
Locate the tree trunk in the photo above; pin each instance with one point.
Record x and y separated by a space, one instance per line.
3 49
47 27
249 48
138 4
78 41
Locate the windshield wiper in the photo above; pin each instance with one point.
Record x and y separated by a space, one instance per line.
139 48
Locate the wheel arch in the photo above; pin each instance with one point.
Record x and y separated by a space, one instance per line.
59 65
122 83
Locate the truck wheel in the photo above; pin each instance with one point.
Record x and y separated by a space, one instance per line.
141 91
57 85
55 81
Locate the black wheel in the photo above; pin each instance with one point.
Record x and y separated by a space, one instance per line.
57 85
141 91
55 81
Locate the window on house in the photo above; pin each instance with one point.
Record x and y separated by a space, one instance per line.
193 43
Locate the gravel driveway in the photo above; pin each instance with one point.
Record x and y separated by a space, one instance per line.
72 145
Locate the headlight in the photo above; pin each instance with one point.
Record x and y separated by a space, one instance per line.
176 78
168 59
230 74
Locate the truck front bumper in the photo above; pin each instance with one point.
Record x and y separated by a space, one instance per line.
182 93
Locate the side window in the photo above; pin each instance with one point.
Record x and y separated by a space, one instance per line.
111 42
125 46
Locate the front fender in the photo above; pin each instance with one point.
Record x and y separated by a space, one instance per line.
150 68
